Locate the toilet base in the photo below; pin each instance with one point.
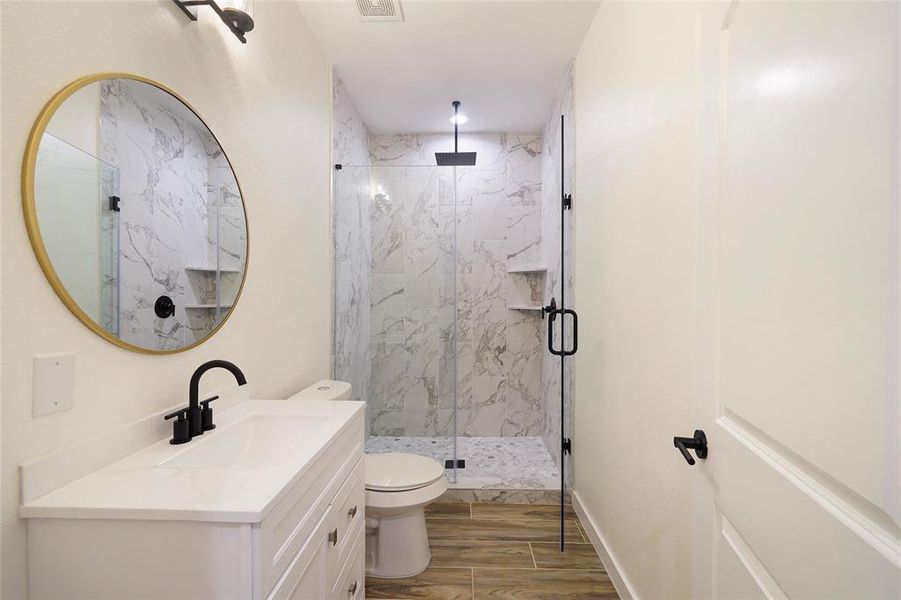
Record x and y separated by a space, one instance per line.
397 542
398 546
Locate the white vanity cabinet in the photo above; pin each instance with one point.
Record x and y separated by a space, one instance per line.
311 544
308 545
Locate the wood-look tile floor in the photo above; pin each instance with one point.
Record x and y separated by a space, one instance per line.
499 552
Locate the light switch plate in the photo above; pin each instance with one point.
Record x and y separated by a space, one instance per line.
53 383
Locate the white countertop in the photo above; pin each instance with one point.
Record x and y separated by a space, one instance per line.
139 487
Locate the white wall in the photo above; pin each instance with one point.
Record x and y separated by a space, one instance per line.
77 120
268 102
634 211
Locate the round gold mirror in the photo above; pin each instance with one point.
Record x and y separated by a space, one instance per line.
135 213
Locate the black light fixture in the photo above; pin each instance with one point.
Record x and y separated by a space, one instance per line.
455 158
236 14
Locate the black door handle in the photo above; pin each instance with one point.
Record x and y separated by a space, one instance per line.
552 312
698 443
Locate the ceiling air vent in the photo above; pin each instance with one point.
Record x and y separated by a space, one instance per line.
380 10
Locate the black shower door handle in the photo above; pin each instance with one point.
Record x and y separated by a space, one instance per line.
552 318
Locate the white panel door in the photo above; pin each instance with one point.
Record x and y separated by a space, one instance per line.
798 305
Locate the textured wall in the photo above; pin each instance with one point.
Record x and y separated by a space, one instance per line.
268 102
415 225
634 229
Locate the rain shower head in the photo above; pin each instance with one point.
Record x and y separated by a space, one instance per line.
455 159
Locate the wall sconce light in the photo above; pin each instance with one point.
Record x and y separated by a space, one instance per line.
236 14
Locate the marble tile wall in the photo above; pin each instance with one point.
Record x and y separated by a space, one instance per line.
554 280
168 165
354 313
418 229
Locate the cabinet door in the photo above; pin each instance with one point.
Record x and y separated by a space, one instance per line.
306 578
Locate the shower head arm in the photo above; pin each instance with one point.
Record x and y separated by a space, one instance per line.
456 104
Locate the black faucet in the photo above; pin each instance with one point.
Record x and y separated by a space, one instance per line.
199 414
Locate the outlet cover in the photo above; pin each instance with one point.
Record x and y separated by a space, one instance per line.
53 383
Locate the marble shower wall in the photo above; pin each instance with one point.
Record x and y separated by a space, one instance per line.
172 187
550 235
353 246
418 228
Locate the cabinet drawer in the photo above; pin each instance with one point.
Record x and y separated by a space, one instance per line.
290 523
351 583
349 511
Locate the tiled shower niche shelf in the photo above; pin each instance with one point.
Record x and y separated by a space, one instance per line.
527 270
211 270
205 306
526 289
522 307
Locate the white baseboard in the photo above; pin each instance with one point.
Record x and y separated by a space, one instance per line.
621 582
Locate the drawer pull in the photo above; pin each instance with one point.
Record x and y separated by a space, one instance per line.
352 512
333 536
352 590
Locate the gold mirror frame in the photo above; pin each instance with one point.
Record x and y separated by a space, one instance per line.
29 209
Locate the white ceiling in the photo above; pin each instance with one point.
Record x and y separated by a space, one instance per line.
505 60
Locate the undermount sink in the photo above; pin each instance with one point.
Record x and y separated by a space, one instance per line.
256 442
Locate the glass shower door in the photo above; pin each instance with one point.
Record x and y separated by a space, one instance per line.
80 228
563 330
395 304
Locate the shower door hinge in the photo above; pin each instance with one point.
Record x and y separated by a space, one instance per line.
567 446
567 201
114 203
449 463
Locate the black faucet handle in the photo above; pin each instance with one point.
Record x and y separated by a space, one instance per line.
181 433
181 413
206 414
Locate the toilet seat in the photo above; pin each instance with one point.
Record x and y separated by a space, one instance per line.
377 501
400 472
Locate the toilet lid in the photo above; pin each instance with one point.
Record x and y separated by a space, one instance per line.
396 472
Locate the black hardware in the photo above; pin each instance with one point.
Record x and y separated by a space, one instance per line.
238 21
206 414
550 308
114 203
698 443
352 590
567 446
164 307
553 312
455 158
563 355
333 537
180 431
567 201
195 413
460 463
199 414
352 512
338 167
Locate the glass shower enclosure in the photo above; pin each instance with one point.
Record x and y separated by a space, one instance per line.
444 321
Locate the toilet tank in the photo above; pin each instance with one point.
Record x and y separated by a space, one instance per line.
324 390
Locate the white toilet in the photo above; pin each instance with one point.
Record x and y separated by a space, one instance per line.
398 486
